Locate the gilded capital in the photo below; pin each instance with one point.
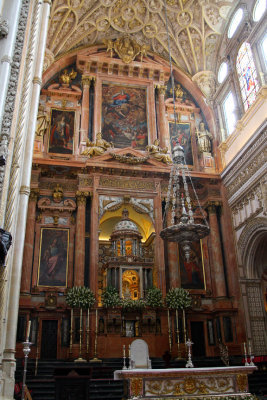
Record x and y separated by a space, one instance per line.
34 195
161 89
86 80
81 198
212 206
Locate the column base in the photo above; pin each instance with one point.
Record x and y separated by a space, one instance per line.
7 373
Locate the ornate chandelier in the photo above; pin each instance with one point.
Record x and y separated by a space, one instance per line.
183 228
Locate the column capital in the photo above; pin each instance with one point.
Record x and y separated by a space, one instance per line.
34 193
81 197
161 89
86 80
212 205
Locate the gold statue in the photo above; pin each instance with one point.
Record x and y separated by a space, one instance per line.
58 194
204 138
66 77
178 91
42 123
158 153
96 148
126 48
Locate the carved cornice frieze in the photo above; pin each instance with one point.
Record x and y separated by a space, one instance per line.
45 203
132 184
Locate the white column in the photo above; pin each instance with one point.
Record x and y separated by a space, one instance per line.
10 12
12 314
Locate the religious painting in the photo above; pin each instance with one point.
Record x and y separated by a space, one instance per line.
124 116
53 257
182 135
61 132
192 271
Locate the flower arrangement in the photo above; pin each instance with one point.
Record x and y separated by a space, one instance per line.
154 298
111 298
133 305
178 298
80 297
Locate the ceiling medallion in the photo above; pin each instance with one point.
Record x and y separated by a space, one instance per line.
126 48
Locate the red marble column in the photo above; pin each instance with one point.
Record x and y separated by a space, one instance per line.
94 239
174 277
29 243
159 244
86 80
80 239
217 264
163 131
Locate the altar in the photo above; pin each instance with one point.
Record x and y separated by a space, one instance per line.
225 383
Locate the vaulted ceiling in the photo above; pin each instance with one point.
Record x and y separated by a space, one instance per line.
195 27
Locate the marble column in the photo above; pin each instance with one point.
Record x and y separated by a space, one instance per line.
16 211
80 239
94 238
159 243
29 243
162 124
86 82
217 264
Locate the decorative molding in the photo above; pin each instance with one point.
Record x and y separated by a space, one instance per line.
132 184
257 224
12 86
25 190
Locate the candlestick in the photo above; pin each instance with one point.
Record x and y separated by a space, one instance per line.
245 351
124 350
178 335
124 357
189 363
129 355
28 330
96 359
169 330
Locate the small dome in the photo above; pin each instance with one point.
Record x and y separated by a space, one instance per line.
125 224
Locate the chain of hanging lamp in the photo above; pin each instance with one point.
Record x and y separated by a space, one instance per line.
183 229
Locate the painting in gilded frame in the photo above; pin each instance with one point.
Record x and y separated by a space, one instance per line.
192 273
182 136
61 131
124 115
53 257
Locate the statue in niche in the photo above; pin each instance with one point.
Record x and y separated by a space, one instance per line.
66 77
96 148
158 153
204 138
42 122
178 91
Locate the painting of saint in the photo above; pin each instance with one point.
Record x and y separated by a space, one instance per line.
53 257
61 132
124 116
192 271
181 136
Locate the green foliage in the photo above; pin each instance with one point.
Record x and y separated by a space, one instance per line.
178 298
154 298
133 305
80 297
111 298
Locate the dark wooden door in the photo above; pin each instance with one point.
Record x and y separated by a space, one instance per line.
49 339
198 338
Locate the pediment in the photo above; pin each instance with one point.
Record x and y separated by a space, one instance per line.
127 156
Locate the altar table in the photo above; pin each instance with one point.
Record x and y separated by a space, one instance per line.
221 383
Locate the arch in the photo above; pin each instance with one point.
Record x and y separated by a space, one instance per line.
248 242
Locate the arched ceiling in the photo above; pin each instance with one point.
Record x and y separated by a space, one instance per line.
195 27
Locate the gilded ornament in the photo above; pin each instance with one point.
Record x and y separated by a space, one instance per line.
66 77
190 385
126 48
178 91
158 153
57 194
129 158
136 386
242 382
96 148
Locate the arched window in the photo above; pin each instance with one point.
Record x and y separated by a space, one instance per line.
259 10
229 108
234 24
223 71
247 75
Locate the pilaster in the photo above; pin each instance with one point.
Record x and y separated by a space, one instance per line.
80 239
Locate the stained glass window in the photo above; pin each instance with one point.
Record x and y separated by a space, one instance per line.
247 75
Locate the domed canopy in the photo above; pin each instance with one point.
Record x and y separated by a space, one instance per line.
125 224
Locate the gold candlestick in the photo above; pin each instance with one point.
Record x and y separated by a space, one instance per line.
178 337
184 325
71 329
87 332
96 359
80 359
169 330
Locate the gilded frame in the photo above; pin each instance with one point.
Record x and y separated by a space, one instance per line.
61 131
